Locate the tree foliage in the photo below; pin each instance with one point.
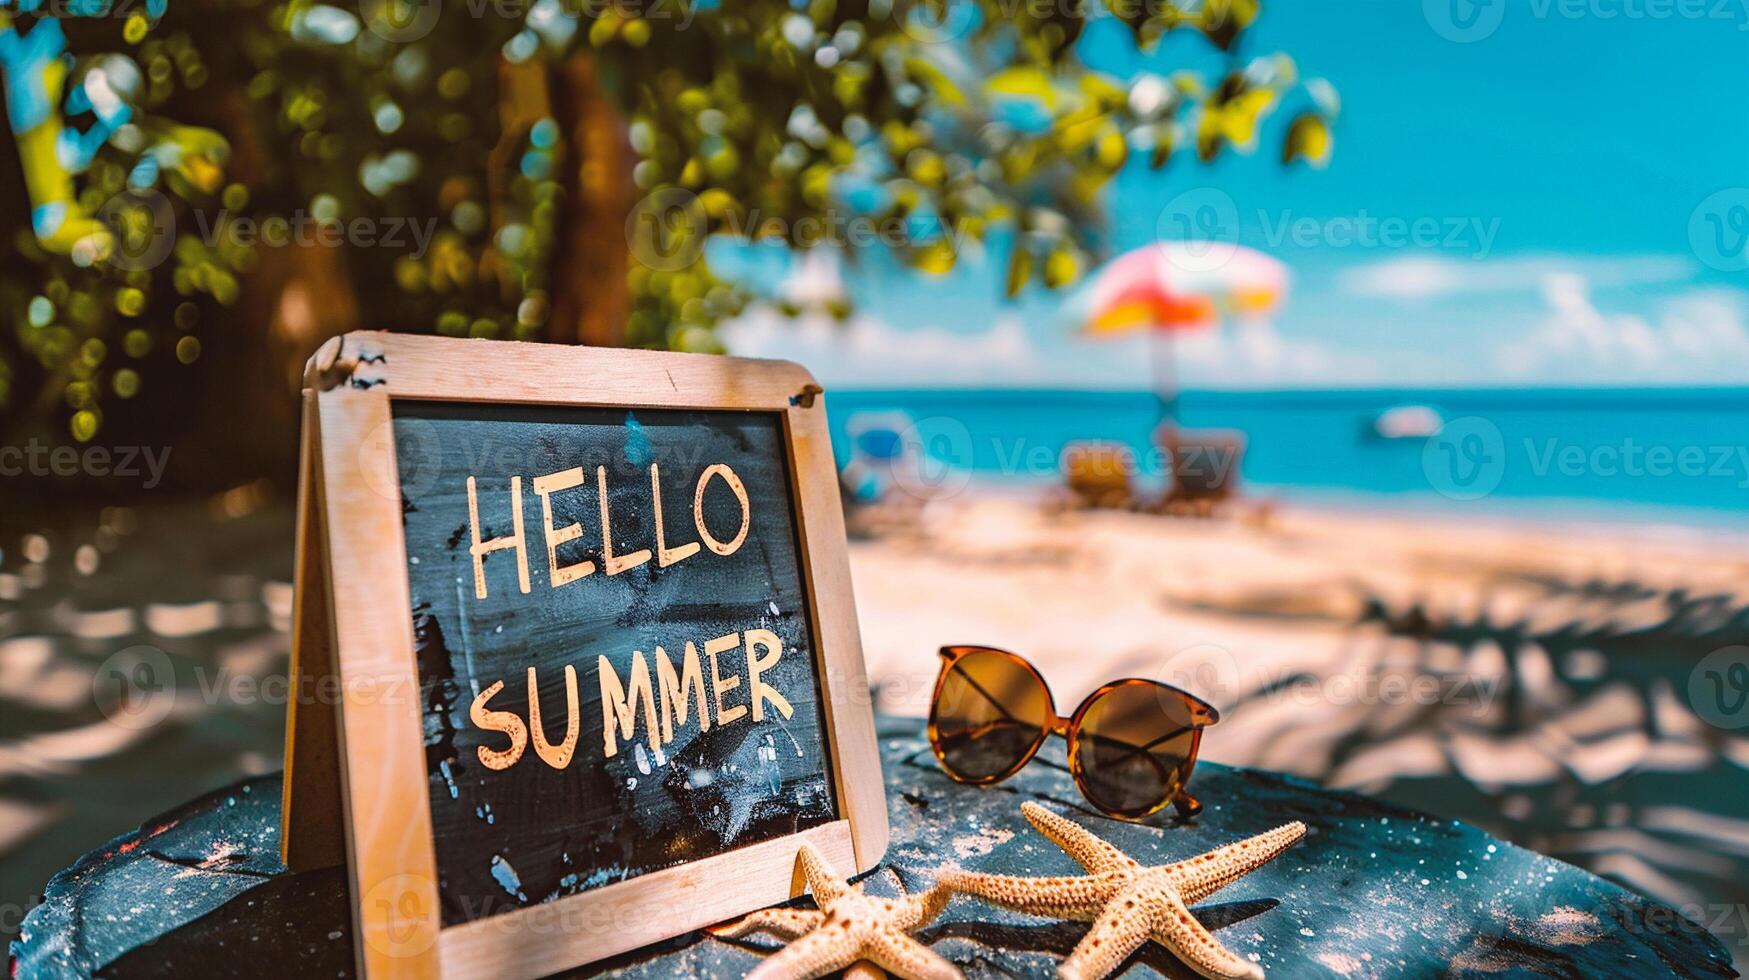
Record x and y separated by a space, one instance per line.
169 136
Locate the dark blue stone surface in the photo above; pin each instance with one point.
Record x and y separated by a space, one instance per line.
1374 890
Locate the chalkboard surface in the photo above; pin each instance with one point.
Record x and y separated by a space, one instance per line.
695 726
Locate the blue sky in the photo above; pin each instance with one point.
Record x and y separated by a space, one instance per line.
1581 168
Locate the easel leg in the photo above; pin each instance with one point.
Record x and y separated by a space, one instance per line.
312 829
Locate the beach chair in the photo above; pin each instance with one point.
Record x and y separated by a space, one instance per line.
1098 474
872 482
1202 466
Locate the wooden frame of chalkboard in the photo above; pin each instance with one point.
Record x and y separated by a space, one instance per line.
357 762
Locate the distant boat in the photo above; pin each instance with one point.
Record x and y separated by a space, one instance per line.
1407 422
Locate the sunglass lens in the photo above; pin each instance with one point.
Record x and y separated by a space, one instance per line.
990 713
1134 749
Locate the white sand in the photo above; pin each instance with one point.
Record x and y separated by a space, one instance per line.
1224 606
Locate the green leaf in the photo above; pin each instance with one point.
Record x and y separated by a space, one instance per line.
1308 139
1024 82
1019 270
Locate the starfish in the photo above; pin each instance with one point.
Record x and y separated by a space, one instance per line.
848 932
1129 903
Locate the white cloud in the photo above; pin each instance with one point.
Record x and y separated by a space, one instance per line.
1694 337
1256 355
817 279
1433 277
867 352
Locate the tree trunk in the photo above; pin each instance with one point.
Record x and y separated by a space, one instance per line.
590 298
236 412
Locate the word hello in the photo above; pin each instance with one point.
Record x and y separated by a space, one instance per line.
611 563
680 695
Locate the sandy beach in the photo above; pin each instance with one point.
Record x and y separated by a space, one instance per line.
1252 596
1534 679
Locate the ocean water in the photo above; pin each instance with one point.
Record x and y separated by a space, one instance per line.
1671 454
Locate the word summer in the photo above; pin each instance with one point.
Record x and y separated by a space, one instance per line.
667 703
612 563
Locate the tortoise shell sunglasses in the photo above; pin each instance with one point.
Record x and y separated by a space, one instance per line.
1132 743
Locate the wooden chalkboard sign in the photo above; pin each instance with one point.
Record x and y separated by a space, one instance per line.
577 661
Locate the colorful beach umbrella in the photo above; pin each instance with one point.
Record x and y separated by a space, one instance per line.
1174 287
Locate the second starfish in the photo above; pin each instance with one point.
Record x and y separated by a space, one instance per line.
1129 903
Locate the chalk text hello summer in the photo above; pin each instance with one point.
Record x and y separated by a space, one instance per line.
663 696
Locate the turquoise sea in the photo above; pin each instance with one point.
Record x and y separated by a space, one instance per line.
1676 455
